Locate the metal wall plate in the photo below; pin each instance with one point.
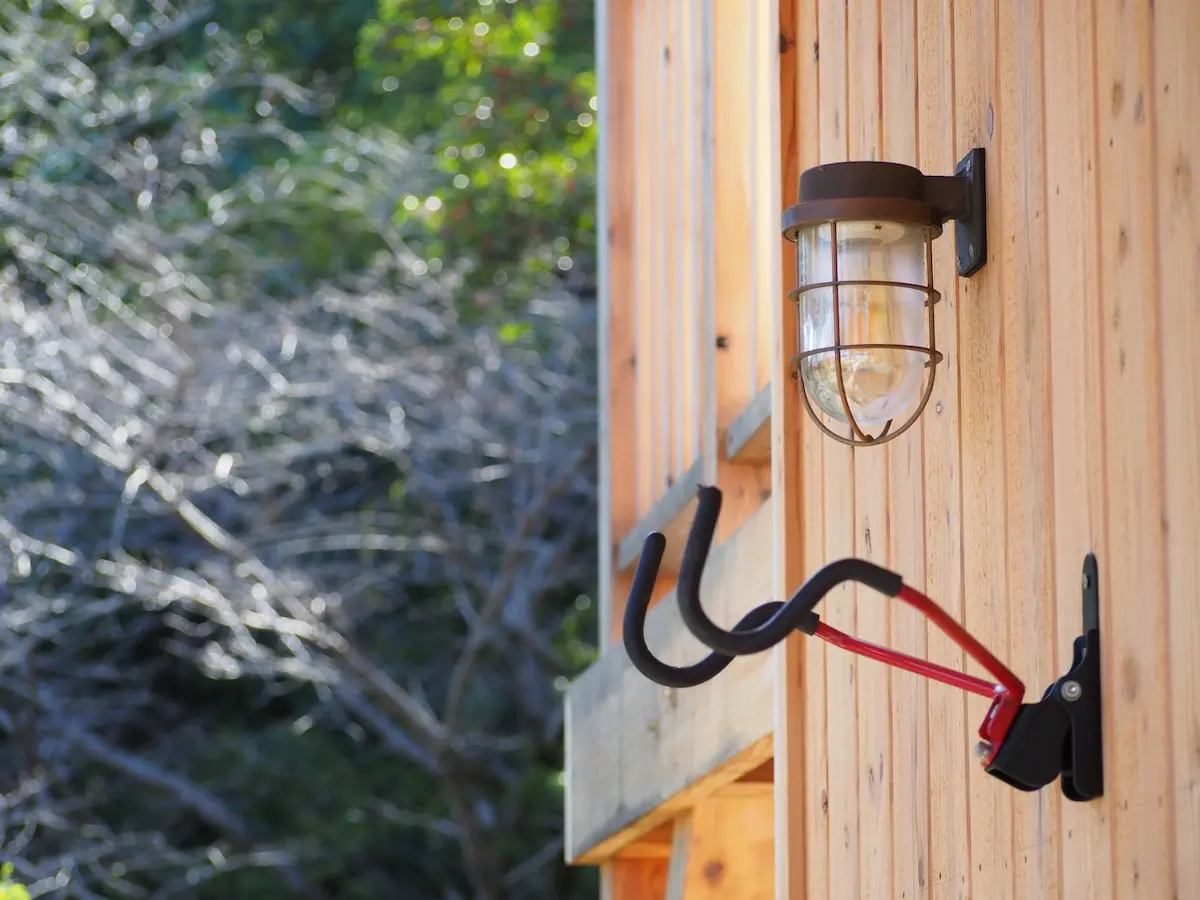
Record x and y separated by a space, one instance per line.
970 232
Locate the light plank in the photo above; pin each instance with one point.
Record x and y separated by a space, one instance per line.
735 342
812 855
655 256
1133 586
748 438
634 879
617 288
982 434
949 868
841 669
680 843
686 58
1176 101
646 296
1027 475
786 431
638 753
870 465
672 515
730 848
906 513
1076 383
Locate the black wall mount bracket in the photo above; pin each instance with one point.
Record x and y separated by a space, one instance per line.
1062 734
970 230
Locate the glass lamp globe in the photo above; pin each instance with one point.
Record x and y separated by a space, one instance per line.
863 341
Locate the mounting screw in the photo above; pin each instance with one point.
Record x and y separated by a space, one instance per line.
1087 581
1071 691
982 749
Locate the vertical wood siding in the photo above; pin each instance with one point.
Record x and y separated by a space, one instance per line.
1066 419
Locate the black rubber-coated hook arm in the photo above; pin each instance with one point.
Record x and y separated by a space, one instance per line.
797 613
634 628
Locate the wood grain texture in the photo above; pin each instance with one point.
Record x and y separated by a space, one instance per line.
1065 419
1076 385
1176 39
786 429
872 687
1138 757
905 508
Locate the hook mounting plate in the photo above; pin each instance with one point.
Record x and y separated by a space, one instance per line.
1062 734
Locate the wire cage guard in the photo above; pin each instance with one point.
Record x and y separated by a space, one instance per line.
1025 745
867 199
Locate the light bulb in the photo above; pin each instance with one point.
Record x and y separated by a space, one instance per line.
881 384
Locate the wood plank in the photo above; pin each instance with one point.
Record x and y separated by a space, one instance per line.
688 236
1076 383
1133 584
617 287
949 793
873 711
841 669
981 357
634 879
748 438
810 848
764 186
638 753
1025 382
680 843
905 551
735 341
646 430
672 515
786 428
675 299
1176 101
733 338
655 255
731 849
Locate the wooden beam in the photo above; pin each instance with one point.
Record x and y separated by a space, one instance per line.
634 879
748 438
637 753
725 847
672 515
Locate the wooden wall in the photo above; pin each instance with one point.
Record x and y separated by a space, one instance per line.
1066 419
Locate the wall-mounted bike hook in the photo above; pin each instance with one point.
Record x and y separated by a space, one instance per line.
1026 745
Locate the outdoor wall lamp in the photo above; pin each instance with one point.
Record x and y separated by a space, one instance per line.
1025 745
864 235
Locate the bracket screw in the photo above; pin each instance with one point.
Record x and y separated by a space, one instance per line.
1071 691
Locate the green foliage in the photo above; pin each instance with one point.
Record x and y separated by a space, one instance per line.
501 94
9 889
505 94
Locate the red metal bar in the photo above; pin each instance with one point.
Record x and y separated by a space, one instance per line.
909 663
1007 704
1007 692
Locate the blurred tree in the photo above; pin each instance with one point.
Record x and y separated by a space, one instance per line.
295 554
504 94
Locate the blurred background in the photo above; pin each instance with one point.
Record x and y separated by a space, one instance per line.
297 445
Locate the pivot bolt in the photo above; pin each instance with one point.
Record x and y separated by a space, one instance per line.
1071 691
983 749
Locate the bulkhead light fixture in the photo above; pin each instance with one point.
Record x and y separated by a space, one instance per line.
864 233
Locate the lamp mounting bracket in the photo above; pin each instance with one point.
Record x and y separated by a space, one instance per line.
970 226
858 190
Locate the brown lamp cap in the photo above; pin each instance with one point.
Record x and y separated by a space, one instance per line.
856 191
